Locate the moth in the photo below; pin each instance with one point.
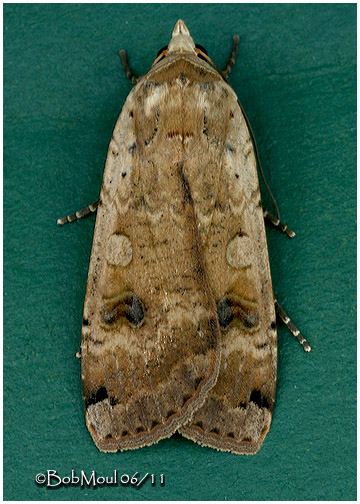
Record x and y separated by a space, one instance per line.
179 323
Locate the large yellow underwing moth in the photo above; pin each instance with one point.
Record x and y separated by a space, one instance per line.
179 327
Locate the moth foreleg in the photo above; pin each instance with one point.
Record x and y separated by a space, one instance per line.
79 214
292 327
274 221
233 56
129 73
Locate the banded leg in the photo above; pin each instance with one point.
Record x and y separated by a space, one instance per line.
274 221
233 56
292 327
129 73
79 214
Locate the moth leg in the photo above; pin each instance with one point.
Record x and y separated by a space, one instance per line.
79 214
274 221
233 56
129 73
292 327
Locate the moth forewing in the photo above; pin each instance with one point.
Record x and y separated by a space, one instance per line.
236 414
150 340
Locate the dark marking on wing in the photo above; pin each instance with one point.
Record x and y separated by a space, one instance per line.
229 148
232 308
132 148
257 398
127 306
225 313
186 189
150 138
98 396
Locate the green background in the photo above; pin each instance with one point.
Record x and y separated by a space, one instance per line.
63 90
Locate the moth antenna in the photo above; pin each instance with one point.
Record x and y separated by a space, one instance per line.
208 59
129 73
79 214
274 221
233 56
258 159
160 57
292 327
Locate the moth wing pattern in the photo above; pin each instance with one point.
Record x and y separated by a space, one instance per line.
236 415
179 322
150 338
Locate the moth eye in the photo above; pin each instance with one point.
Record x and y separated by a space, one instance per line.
161 50
203 50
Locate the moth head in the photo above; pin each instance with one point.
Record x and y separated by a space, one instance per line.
181 42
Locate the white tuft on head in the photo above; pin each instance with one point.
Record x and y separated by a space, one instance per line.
181 40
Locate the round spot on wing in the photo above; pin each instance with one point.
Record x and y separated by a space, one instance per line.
239 252
119 250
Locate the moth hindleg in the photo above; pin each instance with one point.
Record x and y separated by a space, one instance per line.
129 73
233 56
79 214
292 327
276 222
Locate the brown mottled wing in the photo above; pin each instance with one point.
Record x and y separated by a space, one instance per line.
223 181
150 340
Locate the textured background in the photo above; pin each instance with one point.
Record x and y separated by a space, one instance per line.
63 90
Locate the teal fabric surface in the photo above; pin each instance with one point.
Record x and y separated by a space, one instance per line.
63 90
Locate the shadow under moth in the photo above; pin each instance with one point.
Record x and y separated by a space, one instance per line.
179 324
